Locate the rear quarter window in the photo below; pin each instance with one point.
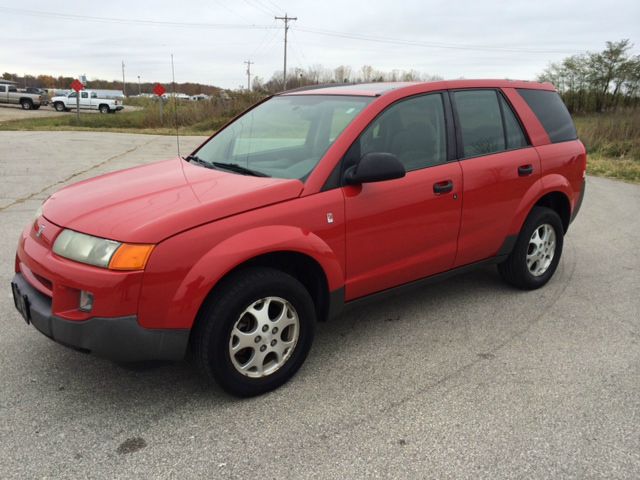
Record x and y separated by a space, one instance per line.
552 113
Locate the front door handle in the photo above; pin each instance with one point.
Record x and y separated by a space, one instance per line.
524 170
442 187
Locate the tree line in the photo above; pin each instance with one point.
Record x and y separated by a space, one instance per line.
598 81
318 74
132 86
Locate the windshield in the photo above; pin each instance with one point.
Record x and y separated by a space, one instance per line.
284 137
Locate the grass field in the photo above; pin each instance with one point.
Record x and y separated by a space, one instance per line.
613 143
612 139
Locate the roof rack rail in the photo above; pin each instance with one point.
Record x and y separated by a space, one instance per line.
315 87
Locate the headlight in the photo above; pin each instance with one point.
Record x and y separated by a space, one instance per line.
101 252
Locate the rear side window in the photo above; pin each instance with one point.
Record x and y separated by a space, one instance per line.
552 113
480 122
512 129
487 123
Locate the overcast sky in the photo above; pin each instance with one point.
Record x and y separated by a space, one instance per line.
506 39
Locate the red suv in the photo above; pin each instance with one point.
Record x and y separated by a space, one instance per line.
310 200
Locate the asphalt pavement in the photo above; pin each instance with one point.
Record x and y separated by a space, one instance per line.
467 378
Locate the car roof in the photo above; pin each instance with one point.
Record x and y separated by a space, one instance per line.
377 89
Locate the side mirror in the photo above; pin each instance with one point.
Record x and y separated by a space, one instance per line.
374 167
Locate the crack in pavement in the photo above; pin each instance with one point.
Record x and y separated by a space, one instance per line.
20 200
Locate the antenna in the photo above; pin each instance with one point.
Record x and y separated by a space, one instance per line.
175 105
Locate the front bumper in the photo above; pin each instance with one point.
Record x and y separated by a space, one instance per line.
120 339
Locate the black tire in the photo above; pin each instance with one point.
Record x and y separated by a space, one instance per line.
59 107
26 103
104 108
514 269
210 339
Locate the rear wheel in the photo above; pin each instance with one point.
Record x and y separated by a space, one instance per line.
27 104
537 252
255 331
104 108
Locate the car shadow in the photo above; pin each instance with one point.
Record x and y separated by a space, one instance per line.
107 382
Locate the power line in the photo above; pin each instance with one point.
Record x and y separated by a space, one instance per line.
397 41
221 3
266 41
275 5
286 19
259 6
314 31
271 8
127 21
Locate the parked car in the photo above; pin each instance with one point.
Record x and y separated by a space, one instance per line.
89 100
39 91
310 201
28 101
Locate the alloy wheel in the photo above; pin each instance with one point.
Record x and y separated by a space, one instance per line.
541 249
264 337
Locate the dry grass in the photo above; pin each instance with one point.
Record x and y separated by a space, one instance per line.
613 143
192 117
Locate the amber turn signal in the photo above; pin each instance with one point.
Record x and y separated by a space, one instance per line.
130 257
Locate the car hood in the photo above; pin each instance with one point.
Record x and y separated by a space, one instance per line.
150 203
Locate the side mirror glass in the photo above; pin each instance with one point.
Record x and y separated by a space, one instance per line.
374 167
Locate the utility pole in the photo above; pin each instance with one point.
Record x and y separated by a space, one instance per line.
286 19
124 85
139 87
249 63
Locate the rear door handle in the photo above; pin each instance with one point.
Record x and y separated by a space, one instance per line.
524 170
442 187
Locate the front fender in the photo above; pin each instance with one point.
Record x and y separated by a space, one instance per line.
238 249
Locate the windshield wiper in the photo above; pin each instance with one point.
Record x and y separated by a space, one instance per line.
234 167
199 161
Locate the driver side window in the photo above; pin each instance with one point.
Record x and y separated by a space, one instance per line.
413 130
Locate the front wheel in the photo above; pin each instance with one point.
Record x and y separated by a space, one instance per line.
255 331
26 104
537 252
59 106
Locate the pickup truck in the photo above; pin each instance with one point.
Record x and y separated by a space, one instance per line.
88 101
29 101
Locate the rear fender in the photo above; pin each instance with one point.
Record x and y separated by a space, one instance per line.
547 184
